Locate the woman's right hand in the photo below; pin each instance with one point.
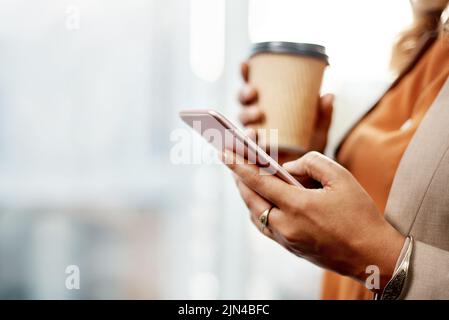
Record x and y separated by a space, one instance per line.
251 114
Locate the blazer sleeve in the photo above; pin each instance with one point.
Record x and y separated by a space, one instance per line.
428 273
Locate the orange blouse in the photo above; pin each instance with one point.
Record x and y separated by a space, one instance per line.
373 149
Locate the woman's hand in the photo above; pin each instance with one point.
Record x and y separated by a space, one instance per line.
252 115
337 226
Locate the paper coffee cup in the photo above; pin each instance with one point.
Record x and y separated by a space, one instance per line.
287 77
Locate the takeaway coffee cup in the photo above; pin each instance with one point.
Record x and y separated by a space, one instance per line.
287 77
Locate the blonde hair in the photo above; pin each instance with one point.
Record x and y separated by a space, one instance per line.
427 22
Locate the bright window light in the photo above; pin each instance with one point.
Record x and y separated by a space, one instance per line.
207 38
358 35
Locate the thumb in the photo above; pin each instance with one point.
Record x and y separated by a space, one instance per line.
323 122
326 107
316 166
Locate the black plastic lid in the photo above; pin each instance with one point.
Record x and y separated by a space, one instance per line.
306 49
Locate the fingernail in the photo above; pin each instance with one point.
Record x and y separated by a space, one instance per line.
247 91
288 165
255 111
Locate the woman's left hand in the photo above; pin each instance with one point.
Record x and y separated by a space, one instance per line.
337 226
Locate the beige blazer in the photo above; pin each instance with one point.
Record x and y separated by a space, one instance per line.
418 202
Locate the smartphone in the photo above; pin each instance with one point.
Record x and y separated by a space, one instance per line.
222 134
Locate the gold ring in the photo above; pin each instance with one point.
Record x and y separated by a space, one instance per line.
263 219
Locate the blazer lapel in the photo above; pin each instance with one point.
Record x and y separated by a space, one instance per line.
419 163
